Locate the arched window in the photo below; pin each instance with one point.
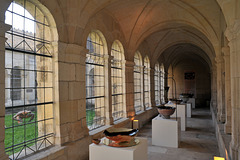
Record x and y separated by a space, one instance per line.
29 78
117 72
162 81
138 96
95 81
157 83
147 99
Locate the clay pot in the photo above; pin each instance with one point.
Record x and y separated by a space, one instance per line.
177 101
120 137
184 98
96 141
166 111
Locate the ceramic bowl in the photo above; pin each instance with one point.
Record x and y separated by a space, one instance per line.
120 135
166 111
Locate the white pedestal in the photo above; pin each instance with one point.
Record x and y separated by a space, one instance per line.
192 100
103 152
189 110
181 112
165 132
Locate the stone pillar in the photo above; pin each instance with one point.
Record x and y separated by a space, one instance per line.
228 107
220 106
165 85
3 29
129 84
233 35
108 90
214 89
152 86
70 94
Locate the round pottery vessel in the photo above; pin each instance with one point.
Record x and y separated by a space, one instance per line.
185 97
120 137
166 111
177 101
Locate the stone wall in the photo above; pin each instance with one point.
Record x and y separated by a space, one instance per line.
201 82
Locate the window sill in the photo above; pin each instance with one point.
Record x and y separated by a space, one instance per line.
97 131
47 153
149 108
121 120
141 112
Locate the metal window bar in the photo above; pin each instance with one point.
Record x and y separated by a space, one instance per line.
26 117
95 85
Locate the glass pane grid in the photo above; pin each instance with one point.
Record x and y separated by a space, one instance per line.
137 83
162 84
28 91
95 84
117 82
157 84
146 82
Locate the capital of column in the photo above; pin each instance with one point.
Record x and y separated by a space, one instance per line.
233 31
108 57
68 48
226 51
4 28
129 64
219 59
152 70
148 69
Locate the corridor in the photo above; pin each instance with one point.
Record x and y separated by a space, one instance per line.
198 142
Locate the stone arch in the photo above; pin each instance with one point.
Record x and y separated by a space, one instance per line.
111 30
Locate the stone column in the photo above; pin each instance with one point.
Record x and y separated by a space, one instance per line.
3 29
152 86
108 90
165 85
129 84
214 89
70 94
220 106
233 35
228 107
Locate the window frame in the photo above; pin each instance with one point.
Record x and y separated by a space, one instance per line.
146 81
117 66
21 43
138 83
96 58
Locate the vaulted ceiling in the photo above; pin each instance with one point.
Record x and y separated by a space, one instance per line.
154 24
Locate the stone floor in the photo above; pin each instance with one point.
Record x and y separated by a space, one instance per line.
198 142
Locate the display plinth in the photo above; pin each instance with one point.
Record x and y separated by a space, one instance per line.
189 110
181 112
103 152
192 100
166 132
